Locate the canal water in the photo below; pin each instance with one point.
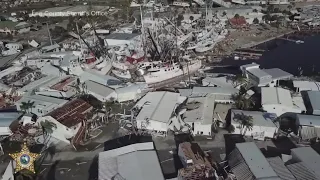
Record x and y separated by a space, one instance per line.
283 54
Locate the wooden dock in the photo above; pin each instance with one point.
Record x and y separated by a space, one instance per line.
248 53
286 39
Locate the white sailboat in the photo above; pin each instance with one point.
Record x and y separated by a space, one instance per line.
170 71
121 74
205 47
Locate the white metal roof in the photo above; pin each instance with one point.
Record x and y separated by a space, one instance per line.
220 111
259 118
278 166
204 91
62 132
97 88
6 118
307 85
314 98
4 87
93 75
218 81
308 120
42 102
309 157
204 113
258 164
298 102
127 149
275 95
56 80
37 83
278 74
138 165
158 106
259 73
50 47
252 65
131 88
136 161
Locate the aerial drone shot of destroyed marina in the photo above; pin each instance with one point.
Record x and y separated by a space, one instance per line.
160 90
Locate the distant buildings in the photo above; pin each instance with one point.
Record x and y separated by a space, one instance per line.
80 10
10 27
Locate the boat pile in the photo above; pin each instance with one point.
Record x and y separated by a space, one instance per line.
154 50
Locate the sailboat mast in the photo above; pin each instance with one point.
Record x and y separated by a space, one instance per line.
206 14
142 31
49 33
79 38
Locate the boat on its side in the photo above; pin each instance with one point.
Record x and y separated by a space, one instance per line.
171 71
121 74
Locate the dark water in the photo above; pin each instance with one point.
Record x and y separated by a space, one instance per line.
285 55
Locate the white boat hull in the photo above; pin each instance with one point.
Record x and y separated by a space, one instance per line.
163 75
119 65
201 49
106 69
123 75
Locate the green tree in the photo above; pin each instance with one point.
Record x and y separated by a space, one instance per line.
270 8
27 106
266 17
241 101
24 175
237 80
180 17
48 127
236 16
224 13
246 122
23 106
255 21
115 16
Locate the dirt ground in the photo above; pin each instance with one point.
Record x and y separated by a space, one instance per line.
251 36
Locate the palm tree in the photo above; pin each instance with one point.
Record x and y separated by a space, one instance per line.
240 100
48 127
224 13
108 105
255 21
24 106
237 80
27 106
24 175
246 122
31 105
